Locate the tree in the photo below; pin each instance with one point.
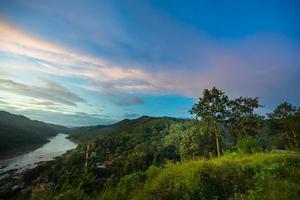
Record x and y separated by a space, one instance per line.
212 109
242 119
285 123
283 111
195 143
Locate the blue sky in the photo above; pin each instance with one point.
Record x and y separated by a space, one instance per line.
97 62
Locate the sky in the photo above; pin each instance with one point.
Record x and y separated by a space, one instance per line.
88 62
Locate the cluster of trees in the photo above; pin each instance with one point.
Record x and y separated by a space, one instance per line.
285 126
224 124
216 113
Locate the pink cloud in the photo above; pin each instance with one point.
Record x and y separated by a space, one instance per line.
250 66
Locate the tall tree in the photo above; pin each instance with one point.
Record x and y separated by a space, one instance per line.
285 123
242 119
283 110
212 110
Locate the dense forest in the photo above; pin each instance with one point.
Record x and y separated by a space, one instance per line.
17 131
225 151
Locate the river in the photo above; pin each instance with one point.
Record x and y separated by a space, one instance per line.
56 146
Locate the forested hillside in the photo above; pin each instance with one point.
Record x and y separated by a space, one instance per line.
17 131
90 132
226 151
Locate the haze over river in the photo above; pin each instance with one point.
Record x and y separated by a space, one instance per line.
56 146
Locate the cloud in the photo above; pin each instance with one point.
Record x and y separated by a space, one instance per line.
3 102
131 115
51 91
182 110
124 85
117 92
44 103
128 101
60 61
116 84
256 65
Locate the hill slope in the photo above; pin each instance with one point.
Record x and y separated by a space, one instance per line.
17 131
256 176
90 132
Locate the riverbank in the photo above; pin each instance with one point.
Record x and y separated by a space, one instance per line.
56 146
17 169
22 150
76 141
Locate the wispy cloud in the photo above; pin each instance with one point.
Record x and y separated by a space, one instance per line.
128 101
256 63
131 115
61 61
51 91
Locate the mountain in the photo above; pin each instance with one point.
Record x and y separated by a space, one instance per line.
17 131
89 132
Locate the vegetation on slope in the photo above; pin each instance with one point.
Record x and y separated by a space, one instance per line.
257 176
17 131
84 134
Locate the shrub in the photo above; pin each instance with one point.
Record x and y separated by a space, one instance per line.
249 145
248 177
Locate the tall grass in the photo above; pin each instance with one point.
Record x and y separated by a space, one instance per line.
256 176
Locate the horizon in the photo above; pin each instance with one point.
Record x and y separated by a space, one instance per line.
95 124
88 63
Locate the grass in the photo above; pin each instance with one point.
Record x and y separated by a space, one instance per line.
240 177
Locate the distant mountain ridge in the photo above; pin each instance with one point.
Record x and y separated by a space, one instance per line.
18 131
125 125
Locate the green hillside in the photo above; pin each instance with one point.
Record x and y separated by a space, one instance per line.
17 131
259 176
90 132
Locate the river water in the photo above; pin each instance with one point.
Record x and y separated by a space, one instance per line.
56 146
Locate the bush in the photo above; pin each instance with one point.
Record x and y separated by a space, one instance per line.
247 177
249 145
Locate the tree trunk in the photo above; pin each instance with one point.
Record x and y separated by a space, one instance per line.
290 141
86 157
294 140
217 139
217 146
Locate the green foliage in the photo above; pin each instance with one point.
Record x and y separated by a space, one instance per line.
285 126
141 125
242 119
42 196
247 177
283 110
124 187
140 159
71 193
196 143
216 111
248 145
289 189
212 109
